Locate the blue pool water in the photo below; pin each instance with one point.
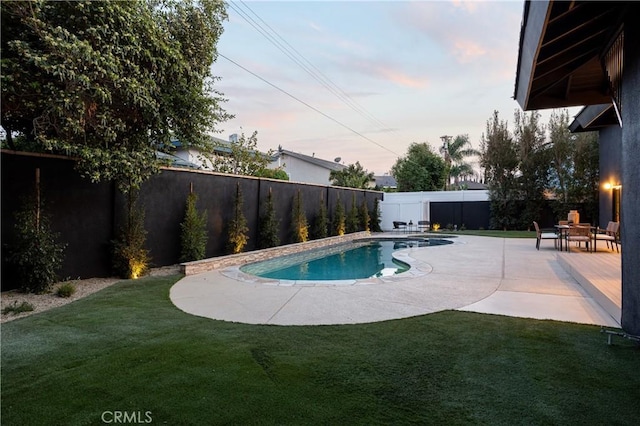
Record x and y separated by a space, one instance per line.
348 261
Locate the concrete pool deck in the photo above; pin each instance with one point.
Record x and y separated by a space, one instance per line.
477 274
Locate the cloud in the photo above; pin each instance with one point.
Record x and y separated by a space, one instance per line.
469 34
467 51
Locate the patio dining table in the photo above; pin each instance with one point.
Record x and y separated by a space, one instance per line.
563 231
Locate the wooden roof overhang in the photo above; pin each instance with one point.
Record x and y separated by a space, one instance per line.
594 118
562 60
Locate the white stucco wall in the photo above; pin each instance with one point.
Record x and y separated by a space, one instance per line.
414 206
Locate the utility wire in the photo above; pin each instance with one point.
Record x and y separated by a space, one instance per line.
308 106
334 88
310 69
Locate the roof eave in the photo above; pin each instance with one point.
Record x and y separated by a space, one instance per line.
533 23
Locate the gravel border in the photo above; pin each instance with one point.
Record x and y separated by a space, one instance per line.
44 302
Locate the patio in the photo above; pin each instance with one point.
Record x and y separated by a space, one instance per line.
477 274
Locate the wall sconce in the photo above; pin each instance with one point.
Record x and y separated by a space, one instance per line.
609 185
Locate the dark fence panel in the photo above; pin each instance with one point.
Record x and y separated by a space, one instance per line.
471 214
82 212
88 215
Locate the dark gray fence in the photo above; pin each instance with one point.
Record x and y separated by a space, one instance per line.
88 215
471 214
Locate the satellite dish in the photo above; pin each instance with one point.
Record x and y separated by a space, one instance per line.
337 159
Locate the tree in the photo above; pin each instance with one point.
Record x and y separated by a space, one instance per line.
560 139
238 228
269 225
243 157
420 170
299 225
454 154
352 176
110 82
584 185
500 162
575 166
194 231
533 179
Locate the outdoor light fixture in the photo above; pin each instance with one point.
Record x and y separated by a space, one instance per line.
609 185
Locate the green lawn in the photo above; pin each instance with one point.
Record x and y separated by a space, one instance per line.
128 349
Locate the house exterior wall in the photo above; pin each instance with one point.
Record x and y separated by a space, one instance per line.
302 171
193 156
630 215
610 170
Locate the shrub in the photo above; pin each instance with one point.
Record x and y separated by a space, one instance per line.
194 232
364 216
339 219
131 259
299 224
66 290
269 225
352 217
320 223
16 309
238 228
375 217
36 254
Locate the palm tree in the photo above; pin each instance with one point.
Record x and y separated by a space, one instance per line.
454 154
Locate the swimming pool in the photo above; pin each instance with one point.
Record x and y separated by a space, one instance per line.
363 259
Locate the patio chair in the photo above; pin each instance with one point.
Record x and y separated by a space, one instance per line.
424 225
610 235
544 236
580 233
398 226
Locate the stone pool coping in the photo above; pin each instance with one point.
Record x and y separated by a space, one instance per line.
417 268
215 263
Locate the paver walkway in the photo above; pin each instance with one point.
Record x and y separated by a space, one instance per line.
479 274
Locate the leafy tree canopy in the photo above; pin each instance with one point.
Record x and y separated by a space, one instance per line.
455 154
110 82
420 170
242 158
352 176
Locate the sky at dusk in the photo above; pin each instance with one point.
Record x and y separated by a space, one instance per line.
362 80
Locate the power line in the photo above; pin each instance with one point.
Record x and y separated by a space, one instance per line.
295 56
307 105
338 91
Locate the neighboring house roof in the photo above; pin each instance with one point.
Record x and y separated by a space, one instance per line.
330 165
177 161
385 181
221 146
471 185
